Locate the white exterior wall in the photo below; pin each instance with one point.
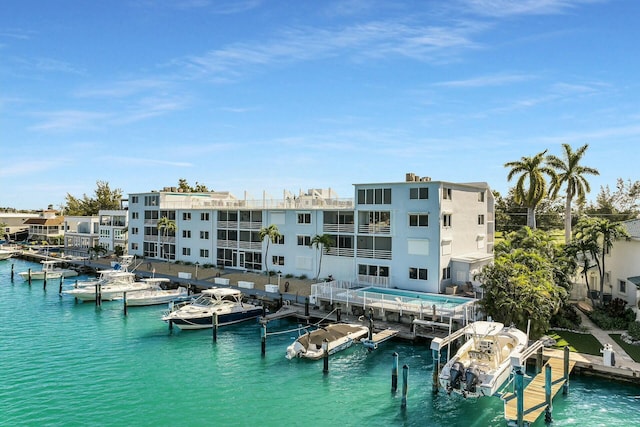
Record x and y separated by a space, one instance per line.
411 247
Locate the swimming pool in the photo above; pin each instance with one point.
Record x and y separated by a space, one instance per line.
421 296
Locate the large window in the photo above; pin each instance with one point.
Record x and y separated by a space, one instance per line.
418 220
204 253
204 216
186 251
277 260
419 193
374 196
418 273
304 240
204 235
186 234
186 216
304 218
373 270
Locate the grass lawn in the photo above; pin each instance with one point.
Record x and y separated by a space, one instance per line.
632 350
581 343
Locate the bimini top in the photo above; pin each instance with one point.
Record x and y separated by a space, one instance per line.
221 293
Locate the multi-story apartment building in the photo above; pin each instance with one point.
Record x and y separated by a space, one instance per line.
416 234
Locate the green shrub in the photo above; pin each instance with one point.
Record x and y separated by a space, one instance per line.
566 318
303 277
288 276
634 330
601 317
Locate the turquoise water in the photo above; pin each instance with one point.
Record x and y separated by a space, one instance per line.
418 297
68 364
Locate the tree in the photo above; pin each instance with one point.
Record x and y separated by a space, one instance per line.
531 186
184 187
166 226
529 280
96 251
569 171
598 235
619 205
105 199
272 234
322 243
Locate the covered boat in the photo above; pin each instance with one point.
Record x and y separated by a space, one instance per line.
339 336
225 303
51 269
113 287
156 294
482 365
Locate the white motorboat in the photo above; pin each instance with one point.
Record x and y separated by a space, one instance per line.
482 365
5 254
111 288
156 294
52 271
339 336
225 303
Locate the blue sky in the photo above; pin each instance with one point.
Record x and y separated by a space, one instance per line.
287 95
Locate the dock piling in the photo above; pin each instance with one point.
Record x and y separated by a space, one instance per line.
12 265
338 314
547 394
124 302
325 357
214 321
405 386
436 372
60 287
264 339
394 373
306 306
44 282
565 385
29 277
519 391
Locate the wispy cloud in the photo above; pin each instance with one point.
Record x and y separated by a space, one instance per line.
29 167
124 88
374 39
603 134
502 8
147 162
69 120
490 80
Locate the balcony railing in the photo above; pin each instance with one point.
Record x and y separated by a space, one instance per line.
374 254
338 228
374 229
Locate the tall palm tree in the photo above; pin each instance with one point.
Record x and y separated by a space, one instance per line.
569 171
166 226
322 243
272 234
531 186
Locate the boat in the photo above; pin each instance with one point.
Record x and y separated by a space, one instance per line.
156 294
6 254
339 336
225 303
482 365
110 289
114 273
51 270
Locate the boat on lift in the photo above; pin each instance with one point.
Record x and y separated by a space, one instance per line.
113 287
51 269
483 364
156 293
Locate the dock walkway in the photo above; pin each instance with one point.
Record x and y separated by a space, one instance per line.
534 393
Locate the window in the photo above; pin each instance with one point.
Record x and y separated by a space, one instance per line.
304 218
419 193
134 230
480 219
418 273
481 196
374 196
204 235
204 253
304 240
446 194
152 200
278 260
204 216
279 240
186 234
134 246
186 251
446 273
186 216
134 199
373 270
418 220
135 215
446 220
622 286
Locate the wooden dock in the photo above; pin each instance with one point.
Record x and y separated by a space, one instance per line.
379 338
534 393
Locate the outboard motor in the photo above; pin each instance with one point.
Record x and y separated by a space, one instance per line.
471 379
455 376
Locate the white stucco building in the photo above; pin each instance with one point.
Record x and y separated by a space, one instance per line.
415 234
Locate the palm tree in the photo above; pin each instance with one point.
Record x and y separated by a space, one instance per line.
322 243
530 169
96 251
272 234
570 172
599 235
166 226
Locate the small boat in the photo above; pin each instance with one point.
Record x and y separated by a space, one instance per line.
339 336
225 303
112 288
51 269
483 364
156 294
6 254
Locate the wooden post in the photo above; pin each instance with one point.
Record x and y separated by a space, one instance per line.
44 283
519 390
370 324
214 321
547 394
75 286
394 373
405 386
12 265
325 357
264 339
98 294
338 314
29 277
539 360
306 306
436 372
565 386
124 302
60 287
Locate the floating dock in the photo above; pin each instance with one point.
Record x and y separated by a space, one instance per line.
379 338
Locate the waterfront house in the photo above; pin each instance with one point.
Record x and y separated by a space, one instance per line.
417 234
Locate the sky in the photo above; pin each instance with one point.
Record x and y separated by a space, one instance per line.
258 97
